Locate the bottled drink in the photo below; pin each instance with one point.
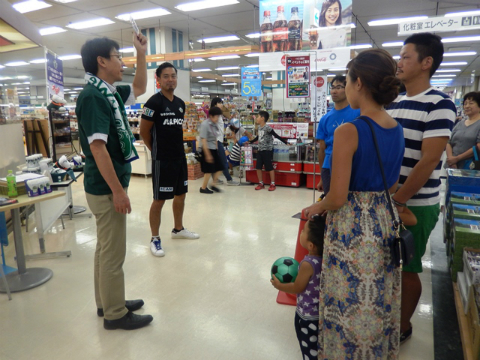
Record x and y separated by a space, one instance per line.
295 31
11 184
280 31
266 31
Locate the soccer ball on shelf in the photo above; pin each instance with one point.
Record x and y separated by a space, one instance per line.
285 269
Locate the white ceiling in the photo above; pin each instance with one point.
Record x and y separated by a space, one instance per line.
240 19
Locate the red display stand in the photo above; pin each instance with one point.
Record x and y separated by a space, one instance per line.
300 252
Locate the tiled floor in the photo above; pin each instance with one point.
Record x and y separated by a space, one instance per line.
210 298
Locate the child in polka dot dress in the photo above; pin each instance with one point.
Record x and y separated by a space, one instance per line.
307 287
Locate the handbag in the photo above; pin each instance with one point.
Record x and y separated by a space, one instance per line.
473 163
402 248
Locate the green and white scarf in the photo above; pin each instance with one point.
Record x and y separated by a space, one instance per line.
123 127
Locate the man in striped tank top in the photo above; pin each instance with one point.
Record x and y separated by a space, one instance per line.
427 116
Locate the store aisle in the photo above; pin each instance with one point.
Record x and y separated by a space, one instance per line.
210 298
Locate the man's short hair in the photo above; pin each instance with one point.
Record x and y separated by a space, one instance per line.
94 48
215 111
264 114
427 44
215 101
164 65
341 79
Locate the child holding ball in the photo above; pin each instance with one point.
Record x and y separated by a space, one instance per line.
307 287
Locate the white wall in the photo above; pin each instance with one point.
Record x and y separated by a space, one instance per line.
182 91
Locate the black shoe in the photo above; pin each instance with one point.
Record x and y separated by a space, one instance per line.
130 321
131 305
214 188
206 191
405 335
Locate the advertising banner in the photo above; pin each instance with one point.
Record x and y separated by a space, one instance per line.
290 130
319 86
251 82
298 76
54 76
454 23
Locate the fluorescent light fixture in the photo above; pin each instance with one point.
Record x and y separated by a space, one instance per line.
70 57
331 75
252 55
67 89
205 4
253 66
78 88
460 53
447 70
227 84
65 1
51 30
26 82
196 60
393 44
5 78
127 50
222 68
201 70
254 35
453 63
1 66
461 39
224 57
90 23
144 14
206 81
38 61
396 57
269 78
219 39
31 5
463 13
338 69
361 46
16 84
395 21
16 63
230 75
199 77
445 75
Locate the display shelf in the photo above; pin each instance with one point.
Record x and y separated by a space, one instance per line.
61 134
465 333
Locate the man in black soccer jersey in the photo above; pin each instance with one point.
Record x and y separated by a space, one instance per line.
163 134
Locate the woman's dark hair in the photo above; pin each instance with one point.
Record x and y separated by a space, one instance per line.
427 44
316 228
474 96
215 110
215 101
94 48
326 4
376 68
162 66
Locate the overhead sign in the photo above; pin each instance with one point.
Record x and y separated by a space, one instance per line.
251 82
54 76
298 76
455 23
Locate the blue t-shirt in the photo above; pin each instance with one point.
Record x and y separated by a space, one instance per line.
327 126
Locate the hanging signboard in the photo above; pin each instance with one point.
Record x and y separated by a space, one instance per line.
251 82
319 86
454 23
298 76
54 76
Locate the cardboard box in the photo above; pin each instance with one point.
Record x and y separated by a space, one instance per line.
473 322
194 172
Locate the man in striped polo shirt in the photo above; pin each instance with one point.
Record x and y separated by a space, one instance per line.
427 116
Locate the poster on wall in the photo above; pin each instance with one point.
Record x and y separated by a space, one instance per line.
251 82
298 76
319 87
290 130
54 76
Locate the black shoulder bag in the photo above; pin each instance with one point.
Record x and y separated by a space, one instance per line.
403 246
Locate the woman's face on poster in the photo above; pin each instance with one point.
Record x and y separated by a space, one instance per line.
332 14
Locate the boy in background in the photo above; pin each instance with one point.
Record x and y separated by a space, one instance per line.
265 149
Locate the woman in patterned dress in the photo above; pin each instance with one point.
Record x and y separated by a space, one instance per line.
360 290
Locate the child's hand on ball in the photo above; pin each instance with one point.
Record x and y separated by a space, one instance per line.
275 282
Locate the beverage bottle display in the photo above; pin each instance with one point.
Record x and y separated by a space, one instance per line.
280 31
11 184
295 31
266 30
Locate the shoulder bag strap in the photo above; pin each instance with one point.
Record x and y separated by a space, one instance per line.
390 206
475 152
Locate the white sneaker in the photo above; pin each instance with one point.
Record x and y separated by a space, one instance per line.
219 182
185 234
233 183
156 247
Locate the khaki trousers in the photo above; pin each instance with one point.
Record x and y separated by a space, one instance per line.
109 256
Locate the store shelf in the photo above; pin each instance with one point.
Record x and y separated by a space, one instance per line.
465 334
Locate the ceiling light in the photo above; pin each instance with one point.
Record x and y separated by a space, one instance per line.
338 69
331 75
78 88
23 77
70 57
227 84
227 68
393 44
127 50
224 57
38 61
230 75
65 1
51 30
361 46
445 75
67 89
269 78
1 66
453 63
199 77
90 23
460 53
254 35
447 70
26 82
144 14
206 81
196 60
253 66
461 39
32 5
201 70
463 13
205 4
219 39
396 57
252 55
16 63
395 21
